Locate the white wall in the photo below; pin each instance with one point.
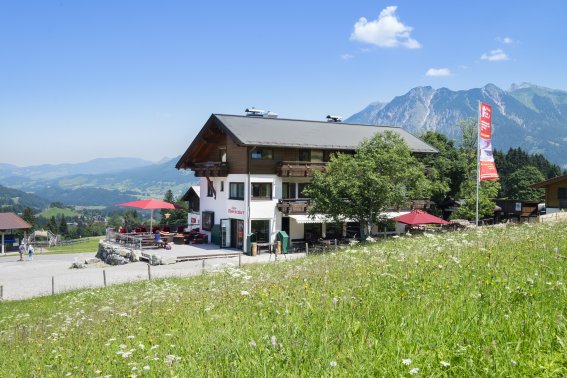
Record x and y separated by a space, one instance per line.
267 209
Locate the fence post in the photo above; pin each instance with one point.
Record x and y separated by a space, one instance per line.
336 245
52 285
239 259
203 268
149 272
306 249
104 276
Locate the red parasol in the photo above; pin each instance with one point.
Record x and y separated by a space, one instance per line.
149 204
417 217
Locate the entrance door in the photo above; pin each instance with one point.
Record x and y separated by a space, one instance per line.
225 233
240 234
285 224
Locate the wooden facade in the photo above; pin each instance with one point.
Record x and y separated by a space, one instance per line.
555 191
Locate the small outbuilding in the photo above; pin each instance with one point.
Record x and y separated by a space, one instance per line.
555 193
8 223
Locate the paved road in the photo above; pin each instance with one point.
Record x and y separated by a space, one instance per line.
27 279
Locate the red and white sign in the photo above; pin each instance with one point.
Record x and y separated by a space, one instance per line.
235 211
487 166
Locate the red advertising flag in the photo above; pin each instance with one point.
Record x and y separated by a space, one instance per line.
485 121
488 171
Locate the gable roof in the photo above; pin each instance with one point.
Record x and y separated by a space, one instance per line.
546 183
282 132
193 190
10 221
294 133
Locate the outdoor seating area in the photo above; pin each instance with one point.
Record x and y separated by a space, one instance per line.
161 237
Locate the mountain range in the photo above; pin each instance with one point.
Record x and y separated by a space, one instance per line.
526 115
100 182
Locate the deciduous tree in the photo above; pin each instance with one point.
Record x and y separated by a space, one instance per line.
382 174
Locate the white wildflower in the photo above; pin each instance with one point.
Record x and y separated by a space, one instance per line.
333 363
414 371
274 341
445 364
146 367
244 292
406 361
252 343
130 337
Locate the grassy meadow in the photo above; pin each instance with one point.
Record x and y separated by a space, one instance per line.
475 303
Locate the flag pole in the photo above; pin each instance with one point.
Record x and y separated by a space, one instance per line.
477 161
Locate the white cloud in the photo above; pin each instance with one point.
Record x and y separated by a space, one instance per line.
438 72
495 56
347 56
507 40
385 31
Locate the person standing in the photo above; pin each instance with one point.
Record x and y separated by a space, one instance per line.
30 252
22 250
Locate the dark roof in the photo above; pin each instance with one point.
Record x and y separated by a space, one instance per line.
282 132
194 190
545 183
295 133
10 221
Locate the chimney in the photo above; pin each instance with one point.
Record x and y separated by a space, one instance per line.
334 118
253 112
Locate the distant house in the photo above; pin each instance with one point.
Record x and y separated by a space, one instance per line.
254 169
555 193
193 199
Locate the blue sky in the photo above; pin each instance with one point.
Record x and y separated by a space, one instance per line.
87 79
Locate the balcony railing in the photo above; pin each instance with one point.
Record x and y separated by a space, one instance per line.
210 169
293 206
299 168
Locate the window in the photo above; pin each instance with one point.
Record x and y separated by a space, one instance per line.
304 155
236 191
262 190
288 190
317 156
262 230
300 188
210 189
262 153
222 186
222 154
562 193
207 220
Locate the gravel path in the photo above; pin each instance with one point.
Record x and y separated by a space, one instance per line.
27 279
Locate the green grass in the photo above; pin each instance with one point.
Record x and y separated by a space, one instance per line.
89 244
488 303
55 212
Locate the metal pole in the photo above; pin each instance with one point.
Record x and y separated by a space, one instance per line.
477 161
52 285
1 292
104 276
306 249
239 259
149 272
203 267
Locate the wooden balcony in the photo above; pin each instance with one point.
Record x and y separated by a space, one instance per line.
293 206
210 169
299 168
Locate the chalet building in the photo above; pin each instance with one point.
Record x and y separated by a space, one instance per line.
253 170
555 193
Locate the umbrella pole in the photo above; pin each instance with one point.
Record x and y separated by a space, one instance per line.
151 220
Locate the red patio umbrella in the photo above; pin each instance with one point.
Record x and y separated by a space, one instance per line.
149 204
417 217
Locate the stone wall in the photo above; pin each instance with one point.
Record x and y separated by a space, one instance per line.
114 254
